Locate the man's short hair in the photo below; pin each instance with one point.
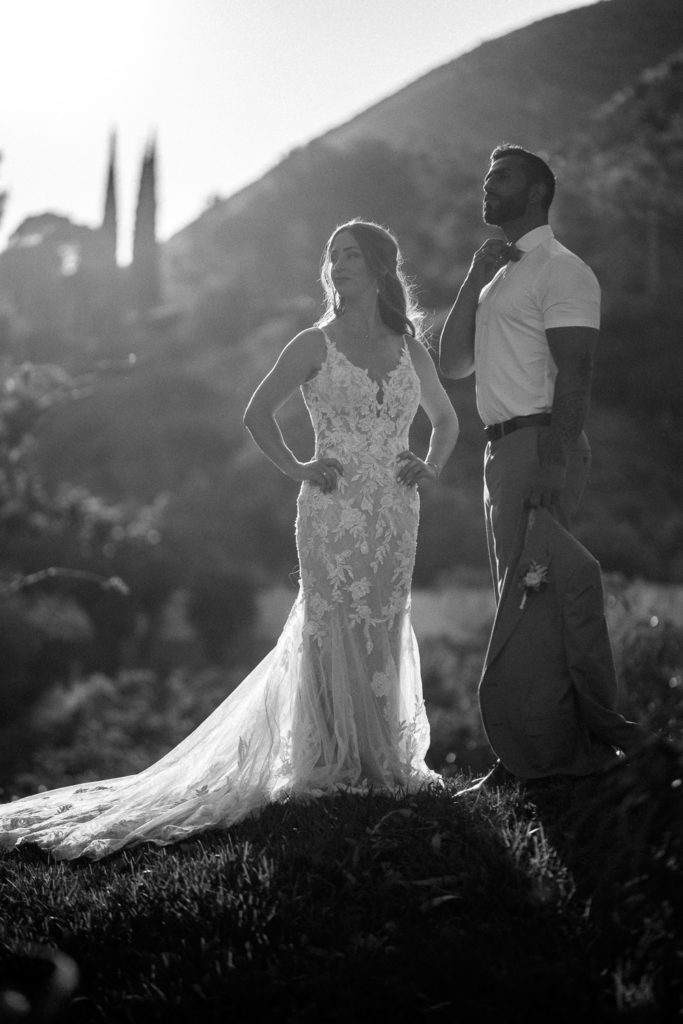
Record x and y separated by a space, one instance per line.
536 168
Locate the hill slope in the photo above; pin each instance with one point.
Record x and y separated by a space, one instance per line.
537 85
246 273
533 85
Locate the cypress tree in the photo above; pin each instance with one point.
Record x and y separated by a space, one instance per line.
109 227
145 266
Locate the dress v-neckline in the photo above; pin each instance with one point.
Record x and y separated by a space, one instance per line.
379 385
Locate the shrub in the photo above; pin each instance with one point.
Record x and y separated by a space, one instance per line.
222 608
102 727
651 669
450 678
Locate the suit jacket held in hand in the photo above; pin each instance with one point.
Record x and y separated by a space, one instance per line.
548 690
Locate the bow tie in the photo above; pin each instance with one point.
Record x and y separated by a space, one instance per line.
511 253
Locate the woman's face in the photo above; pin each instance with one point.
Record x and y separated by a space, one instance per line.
348 270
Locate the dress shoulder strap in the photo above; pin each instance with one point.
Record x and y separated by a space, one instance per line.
328 339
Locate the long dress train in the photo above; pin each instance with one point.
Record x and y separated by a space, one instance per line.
338 701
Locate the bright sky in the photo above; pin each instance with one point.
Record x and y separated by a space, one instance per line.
228 86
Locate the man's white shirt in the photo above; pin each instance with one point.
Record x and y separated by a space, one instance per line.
548 287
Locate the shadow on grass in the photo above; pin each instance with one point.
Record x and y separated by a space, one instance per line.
353 907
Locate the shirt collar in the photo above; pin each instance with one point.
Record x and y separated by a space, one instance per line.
535 237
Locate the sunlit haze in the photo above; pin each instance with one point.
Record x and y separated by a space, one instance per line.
228 87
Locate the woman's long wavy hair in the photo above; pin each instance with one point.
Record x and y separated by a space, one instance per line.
398 307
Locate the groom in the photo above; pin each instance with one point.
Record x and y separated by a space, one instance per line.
526 322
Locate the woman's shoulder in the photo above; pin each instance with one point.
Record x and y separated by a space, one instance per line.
310 341
417 349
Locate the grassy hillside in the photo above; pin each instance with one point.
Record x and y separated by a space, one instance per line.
551 904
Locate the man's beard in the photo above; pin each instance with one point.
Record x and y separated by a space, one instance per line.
502 211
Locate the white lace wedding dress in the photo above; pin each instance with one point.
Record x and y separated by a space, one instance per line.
338 701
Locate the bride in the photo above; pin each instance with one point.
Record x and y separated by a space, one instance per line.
338 701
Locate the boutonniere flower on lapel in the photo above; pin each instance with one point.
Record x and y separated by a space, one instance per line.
535 577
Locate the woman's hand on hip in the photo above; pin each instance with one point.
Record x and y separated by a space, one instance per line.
413 470
323 473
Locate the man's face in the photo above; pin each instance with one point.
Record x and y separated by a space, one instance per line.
506 191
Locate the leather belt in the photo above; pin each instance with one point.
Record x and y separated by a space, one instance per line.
498 430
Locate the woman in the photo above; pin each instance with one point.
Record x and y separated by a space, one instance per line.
338 702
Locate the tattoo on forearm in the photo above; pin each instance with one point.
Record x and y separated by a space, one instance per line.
568 418
585 369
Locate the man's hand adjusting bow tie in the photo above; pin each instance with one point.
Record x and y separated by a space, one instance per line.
510 253
489 258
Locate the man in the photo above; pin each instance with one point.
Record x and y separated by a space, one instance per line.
526 322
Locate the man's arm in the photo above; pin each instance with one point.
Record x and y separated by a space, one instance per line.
573 350
456 345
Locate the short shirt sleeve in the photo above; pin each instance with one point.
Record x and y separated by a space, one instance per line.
568 293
